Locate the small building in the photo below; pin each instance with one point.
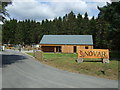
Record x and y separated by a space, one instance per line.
66 43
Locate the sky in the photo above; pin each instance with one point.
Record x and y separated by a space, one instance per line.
49 9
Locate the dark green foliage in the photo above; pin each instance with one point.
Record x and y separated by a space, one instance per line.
85 24
105 29
71 23
8 31
79 23
111 14
102 33
18 33
3 11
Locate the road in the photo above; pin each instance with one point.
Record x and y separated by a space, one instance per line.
22 71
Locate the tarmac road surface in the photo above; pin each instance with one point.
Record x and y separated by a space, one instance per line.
22 71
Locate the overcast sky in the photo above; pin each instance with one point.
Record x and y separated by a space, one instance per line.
49 9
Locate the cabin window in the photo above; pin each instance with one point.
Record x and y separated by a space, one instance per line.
47 48
86 47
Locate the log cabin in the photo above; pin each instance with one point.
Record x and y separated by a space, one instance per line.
66 43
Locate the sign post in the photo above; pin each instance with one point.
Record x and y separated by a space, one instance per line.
94 53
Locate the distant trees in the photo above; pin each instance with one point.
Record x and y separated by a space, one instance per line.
8 31
105 29
111 14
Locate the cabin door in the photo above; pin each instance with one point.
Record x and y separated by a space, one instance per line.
75 49
58 49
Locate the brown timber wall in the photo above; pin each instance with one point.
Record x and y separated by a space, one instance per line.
67 49
64 48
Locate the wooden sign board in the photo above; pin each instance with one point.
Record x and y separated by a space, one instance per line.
93 53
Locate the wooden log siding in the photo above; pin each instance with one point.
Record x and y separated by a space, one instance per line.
54 49
66 48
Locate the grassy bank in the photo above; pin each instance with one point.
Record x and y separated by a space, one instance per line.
92 67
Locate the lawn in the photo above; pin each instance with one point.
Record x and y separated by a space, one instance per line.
92 67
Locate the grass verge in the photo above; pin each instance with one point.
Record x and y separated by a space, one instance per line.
90 66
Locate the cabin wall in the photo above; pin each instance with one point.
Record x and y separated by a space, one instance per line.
64 48
90 47
67 49
84 47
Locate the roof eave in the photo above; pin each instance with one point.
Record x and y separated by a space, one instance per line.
64 44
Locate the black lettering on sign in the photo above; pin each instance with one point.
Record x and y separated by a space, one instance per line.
103 54
87 53
95 53
90 53
98 55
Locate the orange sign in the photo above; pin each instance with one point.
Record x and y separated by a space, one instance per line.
93 53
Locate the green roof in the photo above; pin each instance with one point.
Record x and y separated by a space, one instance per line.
67 39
